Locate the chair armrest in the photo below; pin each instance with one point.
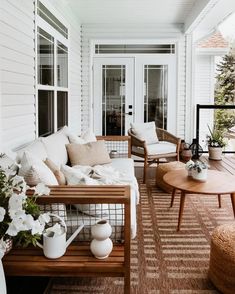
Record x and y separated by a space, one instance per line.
164 135
135 141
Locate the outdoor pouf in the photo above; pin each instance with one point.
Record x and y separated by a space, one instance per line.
162 169
222 258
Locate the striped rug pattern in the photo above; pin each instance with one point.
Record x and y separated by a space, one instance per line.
162 259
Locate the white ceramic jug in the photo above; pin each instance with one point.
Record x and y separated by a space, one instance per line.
55 246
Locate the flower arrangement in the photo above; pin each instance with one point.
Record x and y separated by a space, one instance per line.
216 138
20 217
197 166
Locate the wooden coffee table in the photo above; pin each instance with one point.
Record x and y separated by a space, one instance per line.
217 183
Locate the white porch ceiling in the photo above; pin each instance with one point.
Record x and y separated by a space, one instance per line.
132 11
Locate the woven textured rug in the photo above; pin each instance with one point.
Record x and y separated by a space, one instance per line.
162 259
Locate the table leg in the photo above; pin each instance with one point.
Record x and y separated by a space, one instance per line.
182 200
173 196
219 199
232 195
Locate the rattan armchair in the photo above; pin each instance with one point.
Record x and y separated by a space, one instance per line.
141 149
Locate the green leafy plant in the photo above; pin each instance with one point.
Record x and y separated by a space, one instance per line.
197 165
216 138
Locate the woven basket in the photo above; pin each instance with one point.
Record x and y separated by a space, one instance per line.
222 258
162 169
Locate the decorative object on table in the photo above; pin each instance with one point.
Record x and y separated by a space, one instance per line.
186 153
54 239
197 169
216 142
101 246
113 154
196 149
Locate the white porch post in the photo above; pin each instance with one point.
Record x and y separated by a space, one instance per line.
189 103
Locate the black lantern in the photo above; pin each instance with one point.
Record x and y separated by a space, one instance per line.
196 149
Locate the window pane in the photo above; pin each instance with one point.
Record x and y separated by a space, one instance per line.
45 112
62 109
45 58
62 65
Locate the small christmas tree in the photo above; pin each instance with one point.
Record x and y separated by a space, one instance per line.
224 93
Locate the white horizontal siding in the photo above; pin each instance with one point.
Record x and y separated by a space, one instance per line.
130 32
17 44
204 92
17 72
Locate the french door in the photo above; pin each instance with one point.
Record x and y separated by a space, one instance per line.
138 89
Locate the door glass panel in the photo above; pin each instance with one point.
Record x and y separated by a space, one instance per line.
45 58
113 99
155 94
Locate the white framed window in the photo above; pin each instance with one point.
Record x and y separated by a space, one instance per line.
52 71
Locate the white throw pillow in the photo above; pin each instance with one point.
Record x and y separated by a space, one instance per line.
7 162
35 171
77 177
87 137
145 132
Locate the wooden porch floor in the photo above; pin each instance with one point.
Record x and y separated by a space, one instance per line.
227 164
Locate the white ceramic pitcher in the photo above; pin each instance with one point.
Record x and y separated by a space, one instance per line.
55 246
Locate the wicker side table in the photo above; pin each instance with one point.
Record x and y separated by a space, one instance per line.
222 258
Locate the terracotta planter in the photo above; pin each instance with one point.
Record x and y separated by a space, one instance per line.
215 153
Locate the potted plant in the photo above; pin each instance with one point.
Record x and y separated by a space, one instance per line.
216 142
20 219
197 169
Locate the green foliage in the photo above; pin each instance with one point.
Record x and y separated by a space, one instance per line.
216 138
224 93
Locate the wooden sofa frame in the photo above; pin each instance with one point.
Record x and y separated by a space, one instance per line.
78 260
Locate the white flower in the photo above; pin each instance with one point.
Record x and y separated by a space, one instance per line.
44 218
3 247
19 183
56 230
189 164
37 227
2 213
15 213
12 230
41 189
16 201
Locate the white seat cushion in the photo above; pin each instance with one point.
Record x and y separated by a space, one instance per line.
145 132
161 147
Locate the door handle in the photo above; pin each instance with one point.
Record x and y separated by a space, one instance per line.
129 113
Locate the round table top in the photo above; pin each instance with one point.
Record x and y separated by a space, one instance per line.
217 182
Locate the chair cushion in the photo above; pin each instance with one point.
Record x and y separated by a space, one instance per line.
86 137
162 147
145 132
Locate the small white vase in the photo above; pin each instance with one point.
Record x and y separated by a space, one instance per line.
200 176
101 246
3 289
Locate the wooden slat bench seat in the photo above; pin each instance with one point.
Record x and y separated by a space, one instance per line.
78 260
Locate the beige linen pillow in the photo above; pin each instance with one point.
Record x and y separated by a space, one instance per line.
92 153
56 171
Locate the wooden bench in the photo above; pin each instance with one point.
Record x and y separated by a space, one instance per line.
78 260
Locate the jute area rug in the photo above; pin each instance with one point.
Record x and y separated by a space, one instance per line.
162 259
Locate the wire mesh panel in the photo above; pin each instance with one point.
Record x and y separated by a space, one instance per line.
117 146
